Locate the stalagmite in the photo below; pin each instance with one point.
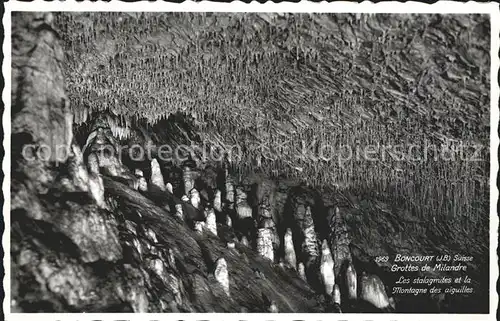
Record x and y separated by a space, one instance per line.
221 274
188 179
175 287
195 198
265 209
138 246
301 270
218 201
264 243
77 169
336 298
156 175
158 267
199 226
102 143
244 241
373 291
169 188
351 281
273 308
211 223
338 238
327 268
268 223
310 244
96 184
242 208
229 222
151 235
171 259
290 258
229 192
142 184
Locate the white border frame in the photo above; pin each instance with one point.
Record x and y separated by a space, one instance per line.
365 7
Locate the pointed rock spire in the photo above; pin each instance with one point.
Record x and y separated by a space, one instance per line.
339 238
336 298
242 208
218 201
179 212
351 281
142 184
156 175
327 268
229 222
373 291
95 183
169 188
273 307
301 270
187 178
151 235
195 198
221 274
264 243
310 244
199 226
77 169
290 258
211 223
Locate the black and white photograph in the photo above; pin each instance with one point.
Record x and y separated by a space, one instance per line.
248 161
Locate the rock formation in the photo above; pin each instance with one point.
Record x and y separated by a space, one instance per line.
218 201
222 275
273 308
310 244
290 258
244 241
156 175
301 271
337 298
211 223
264 243
199 226
372 290
195 198
179 212
351 282
229 189
126 253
